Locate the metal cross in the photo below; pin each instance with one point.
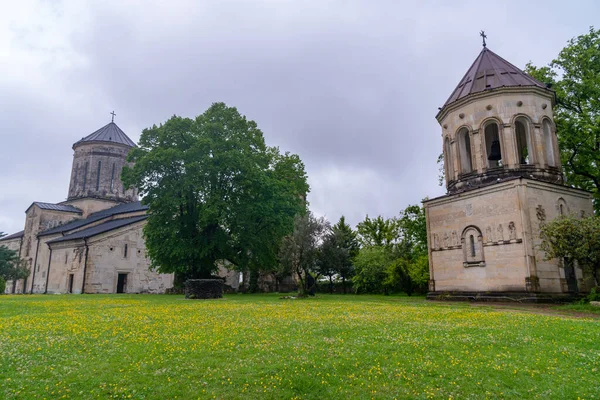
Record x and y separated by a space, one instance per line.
113 113
483 35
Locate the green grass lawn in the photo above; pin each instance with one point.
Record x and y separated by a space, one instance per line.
260 346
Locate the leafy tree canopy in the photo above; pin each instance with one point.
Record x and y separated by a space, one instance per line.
11 266
299 251
216 191
570 237
575 77
377 232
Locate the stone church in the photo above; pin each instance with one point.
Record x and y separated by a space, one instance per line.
92 242
503 179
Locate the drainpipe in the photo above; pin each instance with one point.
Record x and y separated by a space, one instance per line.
37 248
48 273
87 250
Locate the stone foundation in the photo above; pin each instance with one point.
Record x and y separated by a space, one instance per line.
504 297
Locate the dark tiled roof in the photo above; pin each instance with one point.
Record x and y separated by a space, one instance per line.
13 236
120 209
56 207
490 71
109 133
98 229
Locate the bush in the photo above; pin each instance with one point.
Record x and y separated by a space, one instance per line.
594 295
2 285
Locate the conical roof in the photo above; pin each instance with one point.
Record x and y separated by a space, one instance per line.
109 133
490 71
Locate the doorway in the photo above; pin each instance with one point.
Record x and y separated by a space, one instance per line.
121 283
570 275
70 283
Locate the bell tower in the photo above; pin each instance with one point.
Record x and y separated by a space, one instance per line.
96 173
503 179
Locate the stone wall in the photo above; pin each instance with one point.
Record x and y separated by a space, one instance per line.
506 217
104 183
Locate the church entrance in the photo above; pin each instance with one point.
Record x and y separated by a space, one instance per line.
570 275
70 283
121 283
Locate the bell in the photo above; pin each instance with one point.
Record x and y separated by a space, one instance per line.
495 153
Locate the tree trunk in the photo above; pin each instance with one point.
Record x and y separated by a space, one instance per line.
344 284
330 284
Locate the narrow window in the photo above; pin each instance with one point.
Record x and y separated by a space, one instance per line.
66 257
549 143
125 251
85 171
472 241
560 208
112 178
465 151
449 160
523 148
98 175
492 145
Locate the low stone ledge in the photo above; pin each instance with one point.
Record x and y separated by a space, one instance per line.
504 297
204 289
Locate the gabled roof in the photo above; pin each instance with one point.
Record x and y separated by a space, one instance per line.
55 207
98 229
13 236
97 216
490 71
108 133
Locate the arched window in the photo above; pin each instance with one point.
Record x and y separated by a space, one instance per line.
549 143
524 153
492 145
561 206
98 175
449 160
464 141
472 244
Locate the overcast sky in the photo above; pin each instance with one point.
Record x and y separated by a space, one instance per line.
351 86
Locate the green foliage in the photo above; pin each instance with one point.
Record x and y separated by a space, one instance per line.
371 270
299 251
575 77
576 238
11 266
338 249
2 285
594 295
215 192
394 254
377 232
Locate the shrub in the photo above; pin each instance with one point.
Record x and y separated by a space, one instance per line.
2 285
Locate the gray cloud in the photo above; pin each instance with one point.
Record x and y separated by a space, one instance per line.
350 86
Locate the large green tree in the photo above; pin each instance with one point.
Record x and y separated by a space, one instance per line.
378 231
575 77
215 191
299 251
11 266
575 238
338 249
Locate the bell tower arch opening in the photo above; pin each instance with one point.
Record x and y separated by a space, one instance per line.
523 138
466 159
492 145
